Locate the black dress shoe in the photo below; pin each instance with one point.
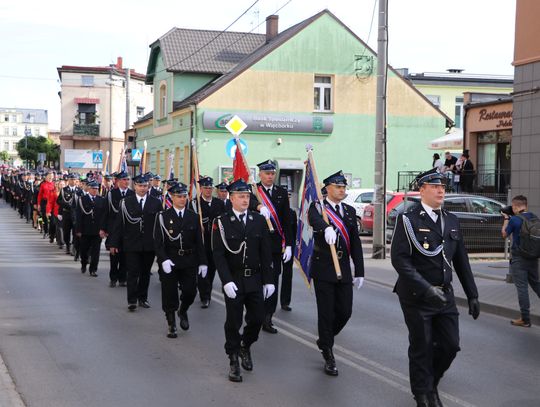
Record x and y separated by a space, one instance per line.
83 269
205 304
76 258
132 307
329 362
93 274
112 284
122 284
171 321
436 399
184 321
234 371
286 308
423 400
144 304
245 358
269 327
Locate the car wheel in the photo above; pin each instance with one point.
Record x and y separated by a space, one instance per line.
359 223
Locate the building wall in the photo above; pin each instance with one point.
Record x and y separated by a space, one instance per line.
527 49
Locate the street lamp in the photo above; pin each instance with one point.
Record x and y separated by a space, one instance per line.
27 132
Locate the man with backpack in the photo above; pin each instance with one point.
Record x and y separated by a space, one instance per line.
524 227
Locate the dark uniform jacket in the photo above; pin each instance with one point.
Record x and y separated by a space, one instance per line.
280 200
187 251
113 205
417 272
90 215
133 235
209 213
156 192
66 200
322 265
248 272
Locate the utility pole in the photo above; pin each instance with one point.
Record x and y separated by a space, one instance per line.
379 199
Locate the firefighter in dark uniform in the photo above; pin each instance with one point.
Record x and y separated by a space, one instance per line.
133 231
334 295
242 255
426 247
286 279
181 254
66 201
90 212
117 272
155 190
211 209
275 204
223 194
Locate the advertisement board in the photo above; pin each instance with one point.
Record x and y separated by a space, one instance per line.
78 159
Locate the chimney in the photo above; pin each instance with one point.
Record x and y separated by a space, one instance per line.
119 63
271 27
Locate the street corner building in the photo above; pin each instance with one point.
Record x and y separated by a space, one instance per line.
313 83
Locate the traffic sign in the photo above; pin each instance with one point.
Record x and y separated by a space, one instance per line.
236 125
97 157
42 157
230 147
136 154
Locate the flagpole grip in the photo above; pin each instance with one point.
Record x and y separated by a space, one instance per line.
196 174
333 251
258 196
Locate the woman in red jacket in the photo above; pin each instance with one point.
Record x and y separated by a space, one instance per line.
45 189
51 212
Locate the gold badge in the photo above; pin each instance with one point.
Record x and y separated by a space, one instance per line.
426 245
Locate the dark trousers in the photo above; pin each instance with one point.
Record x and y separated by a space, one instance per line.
270 303
525 274
90 246
28 210
334 308
254 304
138 265
186 279
117 271
67 228
44 217
286 283
205 284
52 227
433 341
59 231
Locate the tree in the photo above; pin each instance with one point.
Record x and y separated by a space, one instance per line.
4 156
29 147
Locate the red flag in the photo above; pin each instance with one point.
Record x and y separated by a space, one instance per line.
240 167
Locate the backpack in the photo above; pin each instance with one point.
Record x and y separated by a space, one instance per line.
529 237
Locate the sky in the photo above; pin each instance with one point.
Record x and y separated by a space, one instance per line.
424 35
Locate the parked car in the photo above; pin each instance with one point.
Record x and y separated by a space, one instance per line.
359 199
479 218
392 200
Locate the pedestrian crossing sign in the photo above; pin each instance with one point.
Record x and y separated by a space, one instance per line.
236 125
136 154
97 157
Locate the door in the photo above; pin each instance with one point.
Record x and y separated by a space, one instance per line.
291 179
503 167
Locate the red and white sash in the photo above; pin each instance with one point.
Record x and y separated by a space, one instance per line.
273 214
338 223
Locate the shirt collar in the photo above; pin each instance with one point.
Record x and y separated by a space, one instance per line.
239 213
180 211
428 208
332 202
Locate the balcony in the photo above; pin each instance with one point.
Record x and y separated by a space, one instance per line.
86 130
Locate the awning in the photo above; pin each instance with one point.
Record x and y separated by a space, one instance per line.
88 101
450 141
290 164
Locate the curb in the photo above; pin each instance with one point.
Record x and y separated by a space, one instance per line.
484 307
9 397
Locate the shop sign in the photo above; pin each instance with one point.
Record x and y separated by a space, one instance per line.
500 119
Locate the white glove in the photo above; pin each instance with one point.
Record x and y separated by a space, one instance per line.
265 212
287 254
59 218
203 269
230 289
330 235
268 290
358 282
167 266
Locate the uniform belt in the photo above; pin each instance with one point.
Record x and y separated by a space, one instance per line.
447 288
185 252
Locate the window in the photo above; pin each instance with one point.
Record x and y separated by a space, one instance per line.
37 131
6 118
140 112
322 94
455 205
14 118
6 146
87 113
435 99
480 205
162 101
14 131
459 112
87 80
6 131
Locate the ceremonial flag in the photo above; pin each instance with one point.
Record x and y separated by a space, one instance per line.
165 198
304 236
240 167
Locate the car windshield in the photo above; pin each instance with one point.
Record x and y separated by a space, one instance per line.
480 205
367 198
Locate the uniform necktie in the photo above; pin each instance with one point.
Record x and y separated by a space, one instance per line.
269 190
242 216
141 203
438 222
337 210
180 214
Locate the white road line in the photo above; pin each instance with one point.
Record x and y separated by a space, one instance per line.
350 355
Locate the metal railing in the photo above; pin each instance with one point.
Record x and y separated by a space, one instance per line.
86 129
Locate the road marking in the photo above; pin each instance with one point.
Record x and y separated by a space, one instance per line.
350 354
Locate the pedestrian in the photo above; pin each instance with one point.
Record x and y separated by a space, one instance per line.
242 255
334 295
181 254
523 268
45 188
90 214
286 279
427 246
223 194
275 207
449 169
437 162
133 231
66 202
54 214
467 173
155 190
211 208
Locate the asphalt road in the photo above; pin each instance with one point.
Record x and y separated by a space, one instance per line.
68 340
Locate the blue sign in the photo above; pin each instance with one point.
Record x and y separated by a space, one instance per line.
136 154
230 148
97 157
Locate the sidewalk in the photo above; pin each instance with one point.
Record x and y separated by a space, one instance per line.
495 294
